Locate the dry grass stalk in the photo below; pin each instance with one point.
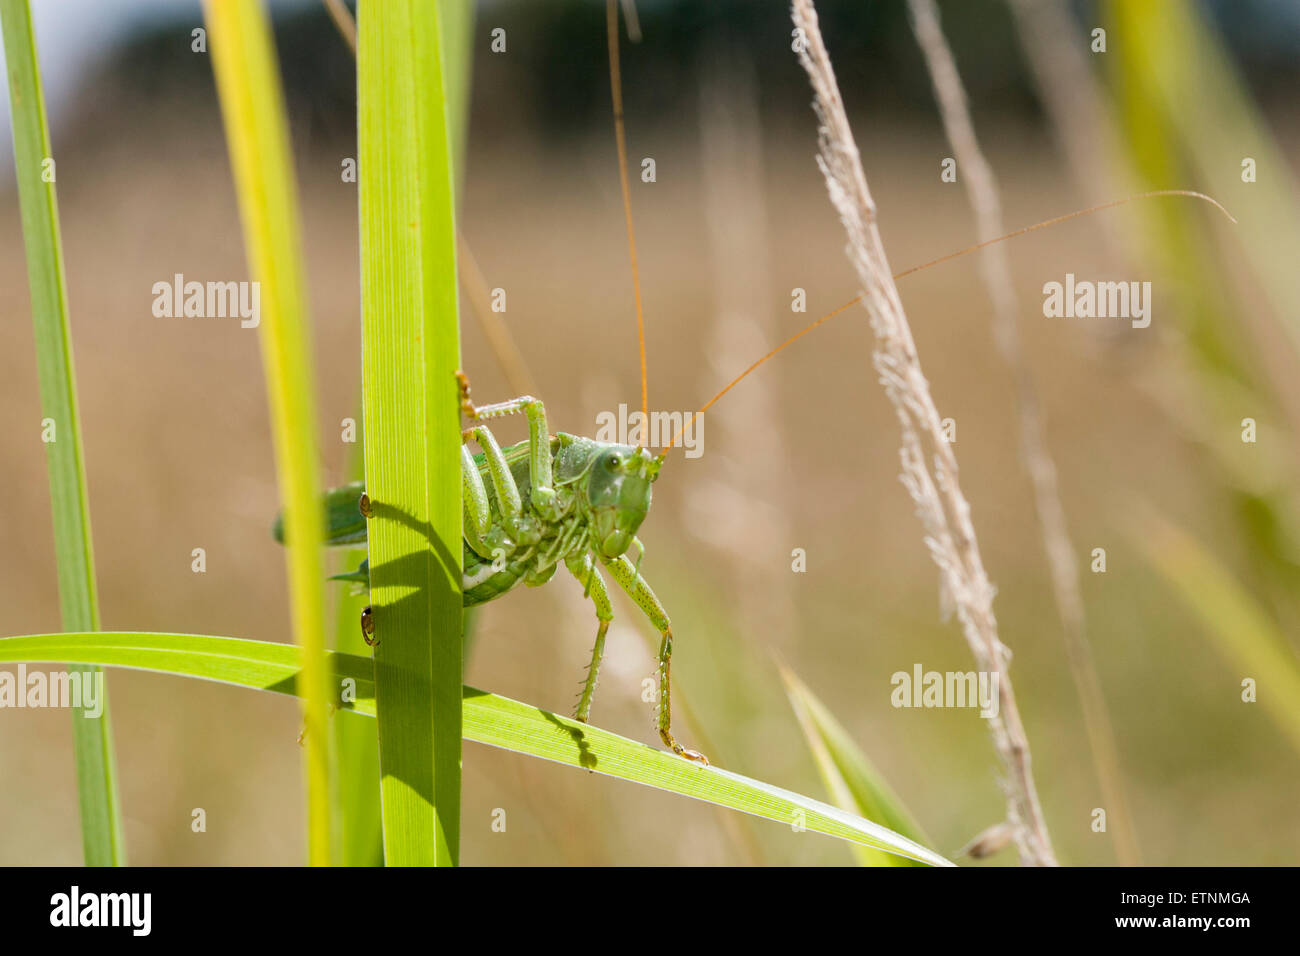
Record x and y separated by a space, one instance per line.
733 506
929 467
1072 98
500 340
982 188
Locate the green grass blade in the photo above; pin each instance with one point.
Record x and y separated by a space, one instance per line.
1185 113
410 353
358 820
1179 62
101 819
1239 628
489 719
852 781
252 105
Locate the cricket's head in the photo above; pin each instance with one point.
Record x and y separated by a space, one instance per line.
618 494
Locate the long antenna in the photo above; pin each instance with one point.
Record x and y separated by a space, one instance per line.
620 136
1070 215
934 262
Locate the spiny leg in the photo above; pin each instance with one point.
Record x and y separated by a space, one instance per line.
584 569
539 439
638 590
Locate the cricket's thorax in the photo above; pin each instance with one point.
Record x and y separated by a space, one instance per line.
602 494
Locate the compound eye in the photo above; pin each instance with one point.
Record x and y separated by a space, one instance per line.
614 462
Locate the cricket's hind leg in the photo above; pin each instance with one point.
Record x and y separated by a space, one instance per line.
584 569
638 590
509 500
477 517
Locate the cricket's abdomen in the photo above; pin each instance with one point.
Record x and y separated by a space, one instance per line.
482 584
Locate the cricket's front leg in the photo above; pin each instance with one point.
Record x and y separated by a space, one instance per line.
539 439
630 580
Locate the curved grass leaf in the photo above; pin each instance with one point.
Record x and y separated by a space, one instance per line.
101 819
257 133
488 719
851 779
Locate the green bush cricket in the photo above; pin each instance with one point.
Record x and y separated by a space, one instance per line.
566 499
530 507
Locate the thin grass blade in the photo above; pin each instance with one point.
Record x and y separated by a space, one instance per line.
1240 630
852 781
252 105
1172 55
102 840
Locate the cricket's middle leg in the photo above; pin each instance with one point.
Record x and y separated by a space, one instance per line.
584 569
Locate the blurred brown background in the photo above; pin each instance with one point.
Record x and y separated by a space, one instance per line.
804 455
